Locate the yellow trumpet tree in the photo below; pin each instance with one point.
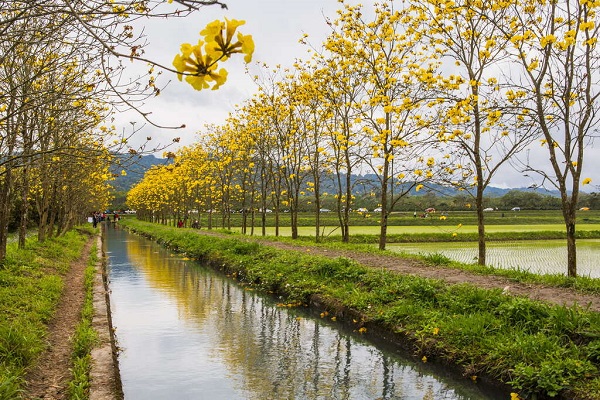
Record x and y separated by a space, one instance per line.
479 127
291 152
555 44
343 88
266 172
312 114
398 74
143 198
218 142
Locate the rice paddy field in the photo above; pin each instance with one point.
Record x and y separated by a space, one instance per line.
540 256
328 230
535 256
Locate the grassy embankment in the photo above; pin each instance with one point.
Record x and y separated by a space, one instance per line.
85 336
537 349
31 282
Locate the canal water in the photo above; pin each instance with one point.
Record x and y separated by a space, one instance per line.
188 332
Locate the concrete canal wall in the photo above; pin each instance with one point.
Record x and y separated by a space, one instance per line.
105 381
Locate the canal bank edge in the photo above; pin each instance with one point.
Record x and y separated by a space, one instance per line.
349 317
105 380
232 254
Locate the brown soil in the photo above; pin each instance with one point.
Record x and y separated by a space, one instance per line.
50 376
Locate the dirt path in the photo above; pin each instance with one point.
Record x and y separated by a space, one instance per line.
49 378
554 295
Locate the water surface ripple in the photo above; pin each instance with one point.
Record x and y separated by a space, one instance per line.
187 332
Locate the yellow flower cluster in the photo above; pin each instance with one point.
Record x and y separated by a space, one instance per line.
199 63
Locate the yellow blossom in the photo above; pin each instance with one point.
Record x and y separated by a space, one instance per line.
212 30
533 65
247 46
199 62
546 40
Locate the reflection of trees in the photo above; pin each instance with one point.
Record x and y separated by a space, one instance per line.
269 352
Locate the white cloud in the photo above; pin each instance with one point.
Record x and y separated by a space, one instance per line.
276 27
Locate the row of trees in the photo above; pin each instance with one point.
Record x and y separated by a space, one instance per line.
438 91
61 81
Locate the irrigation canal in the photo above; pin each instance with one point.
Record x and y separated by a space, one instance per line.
188 332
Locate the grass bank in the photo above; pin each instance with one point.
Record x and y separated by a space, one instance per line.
581 284
406 219
537 349
468 235
85 337
31 282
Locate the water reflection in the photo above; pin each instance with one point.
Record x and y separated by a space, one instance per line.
189 333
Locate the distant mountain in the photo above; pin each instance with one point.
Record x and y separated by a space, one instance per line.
135 167
498 192
363 184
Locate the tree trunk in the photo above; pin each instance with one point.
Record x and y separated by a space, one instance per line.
384 205
5 189
51 222
480 237
383 229
481 258
317 215
346 224
41 228
294 222
24 210
44 214
571 246
244 222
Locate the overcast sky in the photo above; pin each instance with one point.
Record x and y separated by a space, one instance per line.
276 26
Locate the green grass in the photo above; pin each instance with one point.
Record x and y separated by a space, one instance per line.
582 283
538 349
403 227
85 336
399 234
405 219
31 282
